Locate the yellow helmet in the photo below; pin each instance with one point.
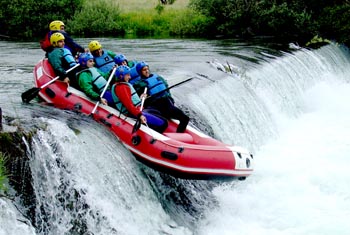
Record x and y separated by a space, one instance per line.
56 25
94 45
55 38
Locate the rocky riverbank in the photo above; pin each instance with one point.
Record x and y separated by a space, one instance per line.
16 172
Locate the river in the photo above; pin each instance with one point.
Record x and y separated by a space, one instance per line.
289 107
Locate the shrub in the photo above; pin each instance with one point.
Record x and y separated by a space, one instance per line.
139 24
190 23
24 19
97 19
284 20
334 23
145 24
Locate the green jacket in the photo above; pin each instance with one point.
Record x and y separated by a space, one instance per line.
111 53
131 63
85 83
60 63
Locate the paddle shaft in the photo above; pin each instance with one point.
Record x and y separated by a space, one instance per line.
229 67
33 92
104 89
143 98
175 85
137 124
53 80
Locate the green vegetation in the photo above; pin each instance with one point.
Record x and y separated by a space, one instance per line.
95 19
297 20
3 174
136 19
25 19
6 141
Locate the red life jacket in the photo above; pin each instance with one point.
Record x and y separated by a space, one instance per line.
45 42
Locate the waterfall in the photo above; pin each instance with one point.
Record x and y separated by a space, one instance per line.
300 134
86 182
247 111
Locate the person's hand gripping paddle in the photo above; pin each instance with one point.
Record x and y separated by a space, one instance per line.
138 121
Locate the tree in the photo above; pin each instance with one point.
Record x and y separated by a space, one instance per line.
25 19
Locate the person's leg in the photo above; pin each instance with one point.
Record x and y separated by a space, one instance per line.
73 78
178 114
167 109
108 96
153 111
73 81
157 123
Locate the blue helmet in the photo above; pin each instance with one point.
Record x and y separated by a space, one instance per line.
119 59
139 66
121 72
84 57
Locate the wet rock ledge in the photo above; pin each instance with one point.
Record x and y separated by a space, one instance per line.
16 162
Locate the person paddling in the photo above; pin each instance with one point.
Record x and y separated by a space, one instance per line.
128 102
160 97
104 59
58 26
92 81
121 59
61 59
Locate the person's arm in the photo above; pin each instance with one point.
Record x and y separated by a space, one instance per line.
131 63
168 94
111 53
164 81
140 87
72 44
85 83
55 59
124 94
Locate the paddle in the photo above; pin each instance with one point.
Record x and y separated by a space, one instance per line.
33 92
206 77
175 85
104 90
229 67
138 121
143 98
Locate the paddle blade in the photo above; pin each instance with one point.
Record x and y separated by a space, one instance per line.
136 126
27 96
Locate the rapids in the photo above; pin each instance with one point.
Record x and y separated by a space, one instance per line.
289 107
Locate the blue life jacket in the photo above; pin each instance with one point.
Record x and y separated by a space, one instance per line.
135 77
104 62
68 58
134 98
98 81
155 85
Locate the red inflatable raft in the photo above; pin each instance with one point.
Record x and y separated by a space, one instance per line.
189 155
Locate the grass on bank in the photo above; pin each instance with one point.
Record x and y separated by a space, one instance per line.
127 6
137 18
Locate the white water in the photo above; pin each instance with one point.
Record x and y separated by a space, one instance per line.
292 112
301 182
114 197
11 221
